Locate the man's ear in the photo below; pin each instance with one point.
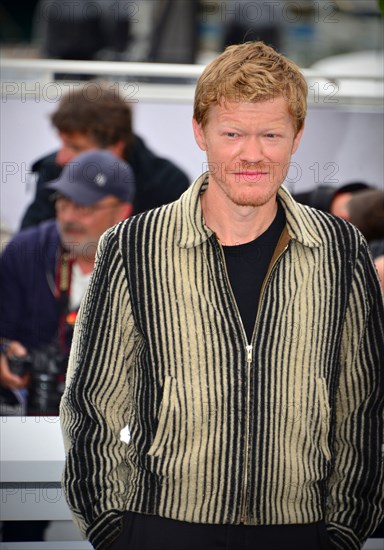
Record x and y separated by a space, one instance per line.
118 148
199 134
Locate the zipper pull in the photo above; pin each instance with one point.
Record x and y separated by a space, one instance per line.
249 354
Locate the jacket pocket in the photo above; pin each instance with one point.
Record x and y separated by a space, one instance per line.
167 406
325 413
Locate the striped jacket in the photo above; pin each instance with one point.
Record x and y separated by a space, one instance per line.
287 428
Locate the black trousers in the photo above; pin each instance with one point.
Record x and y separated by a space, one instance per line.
142 532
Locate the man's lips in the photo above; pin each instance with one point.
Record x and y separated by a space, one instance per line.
72 230
252 175
252 169
251 172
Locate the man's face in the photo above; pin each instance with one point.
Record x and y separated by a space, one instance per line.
72 145
249 147
81 227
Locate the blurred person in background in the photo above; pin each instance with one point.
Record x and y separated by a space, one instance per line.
365 209
329 198
379 262
86 30
94 116
5 235
45 269
44 272
258 20
360 204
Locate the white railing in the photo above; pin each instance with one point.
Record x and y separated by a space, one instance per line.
115 68
176 81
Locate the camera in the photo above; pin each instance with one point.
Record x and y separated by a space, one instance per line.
20 365
48 367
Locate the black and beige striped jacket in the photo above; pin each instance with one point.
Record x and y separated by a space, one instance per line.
286 428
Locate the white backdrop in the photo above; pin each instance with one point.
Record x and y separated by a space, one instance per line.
340 145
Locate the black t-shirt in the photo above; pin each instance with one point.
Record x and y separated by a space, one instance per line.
247 266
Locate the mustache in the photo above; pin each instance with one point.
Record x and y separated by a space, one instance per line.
68 227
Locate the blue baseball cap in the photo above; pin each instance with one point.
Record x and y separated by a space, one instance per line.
93 175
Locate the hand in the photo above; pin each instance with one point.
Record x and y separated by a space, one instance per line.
8 379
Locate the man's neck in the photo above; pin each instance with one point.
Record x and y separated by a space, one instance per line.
233 224
86 265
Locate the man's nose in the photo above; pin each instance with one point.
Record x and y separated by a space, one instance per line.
68 212
252 151
67 215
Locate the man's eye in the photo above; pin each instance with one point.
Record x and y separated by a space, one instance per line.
231 134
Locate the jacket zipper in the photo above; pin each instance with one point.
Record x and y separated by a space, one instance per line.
249 358
249 350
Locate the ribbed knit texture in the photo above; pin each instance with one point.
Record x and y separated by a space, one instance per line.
292 435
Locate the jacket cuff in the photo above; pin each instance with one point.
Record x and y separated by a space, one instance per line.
106 529
342 537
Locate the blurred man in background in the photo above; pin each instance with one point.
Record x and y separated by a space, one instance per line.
95 116
44 272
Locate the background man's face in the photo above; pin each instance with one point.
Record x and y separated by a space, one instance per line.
72 145
77 142
81 227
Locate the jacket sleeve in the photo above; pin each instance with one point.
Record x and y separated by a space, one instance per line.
356 486
11 291
94 406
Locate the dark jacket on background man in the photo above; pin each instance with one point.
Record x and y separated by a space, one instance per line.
30 314
158 181
29 311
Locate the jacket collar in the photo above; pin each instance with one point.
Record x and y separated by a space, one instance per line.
192 230
301 223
